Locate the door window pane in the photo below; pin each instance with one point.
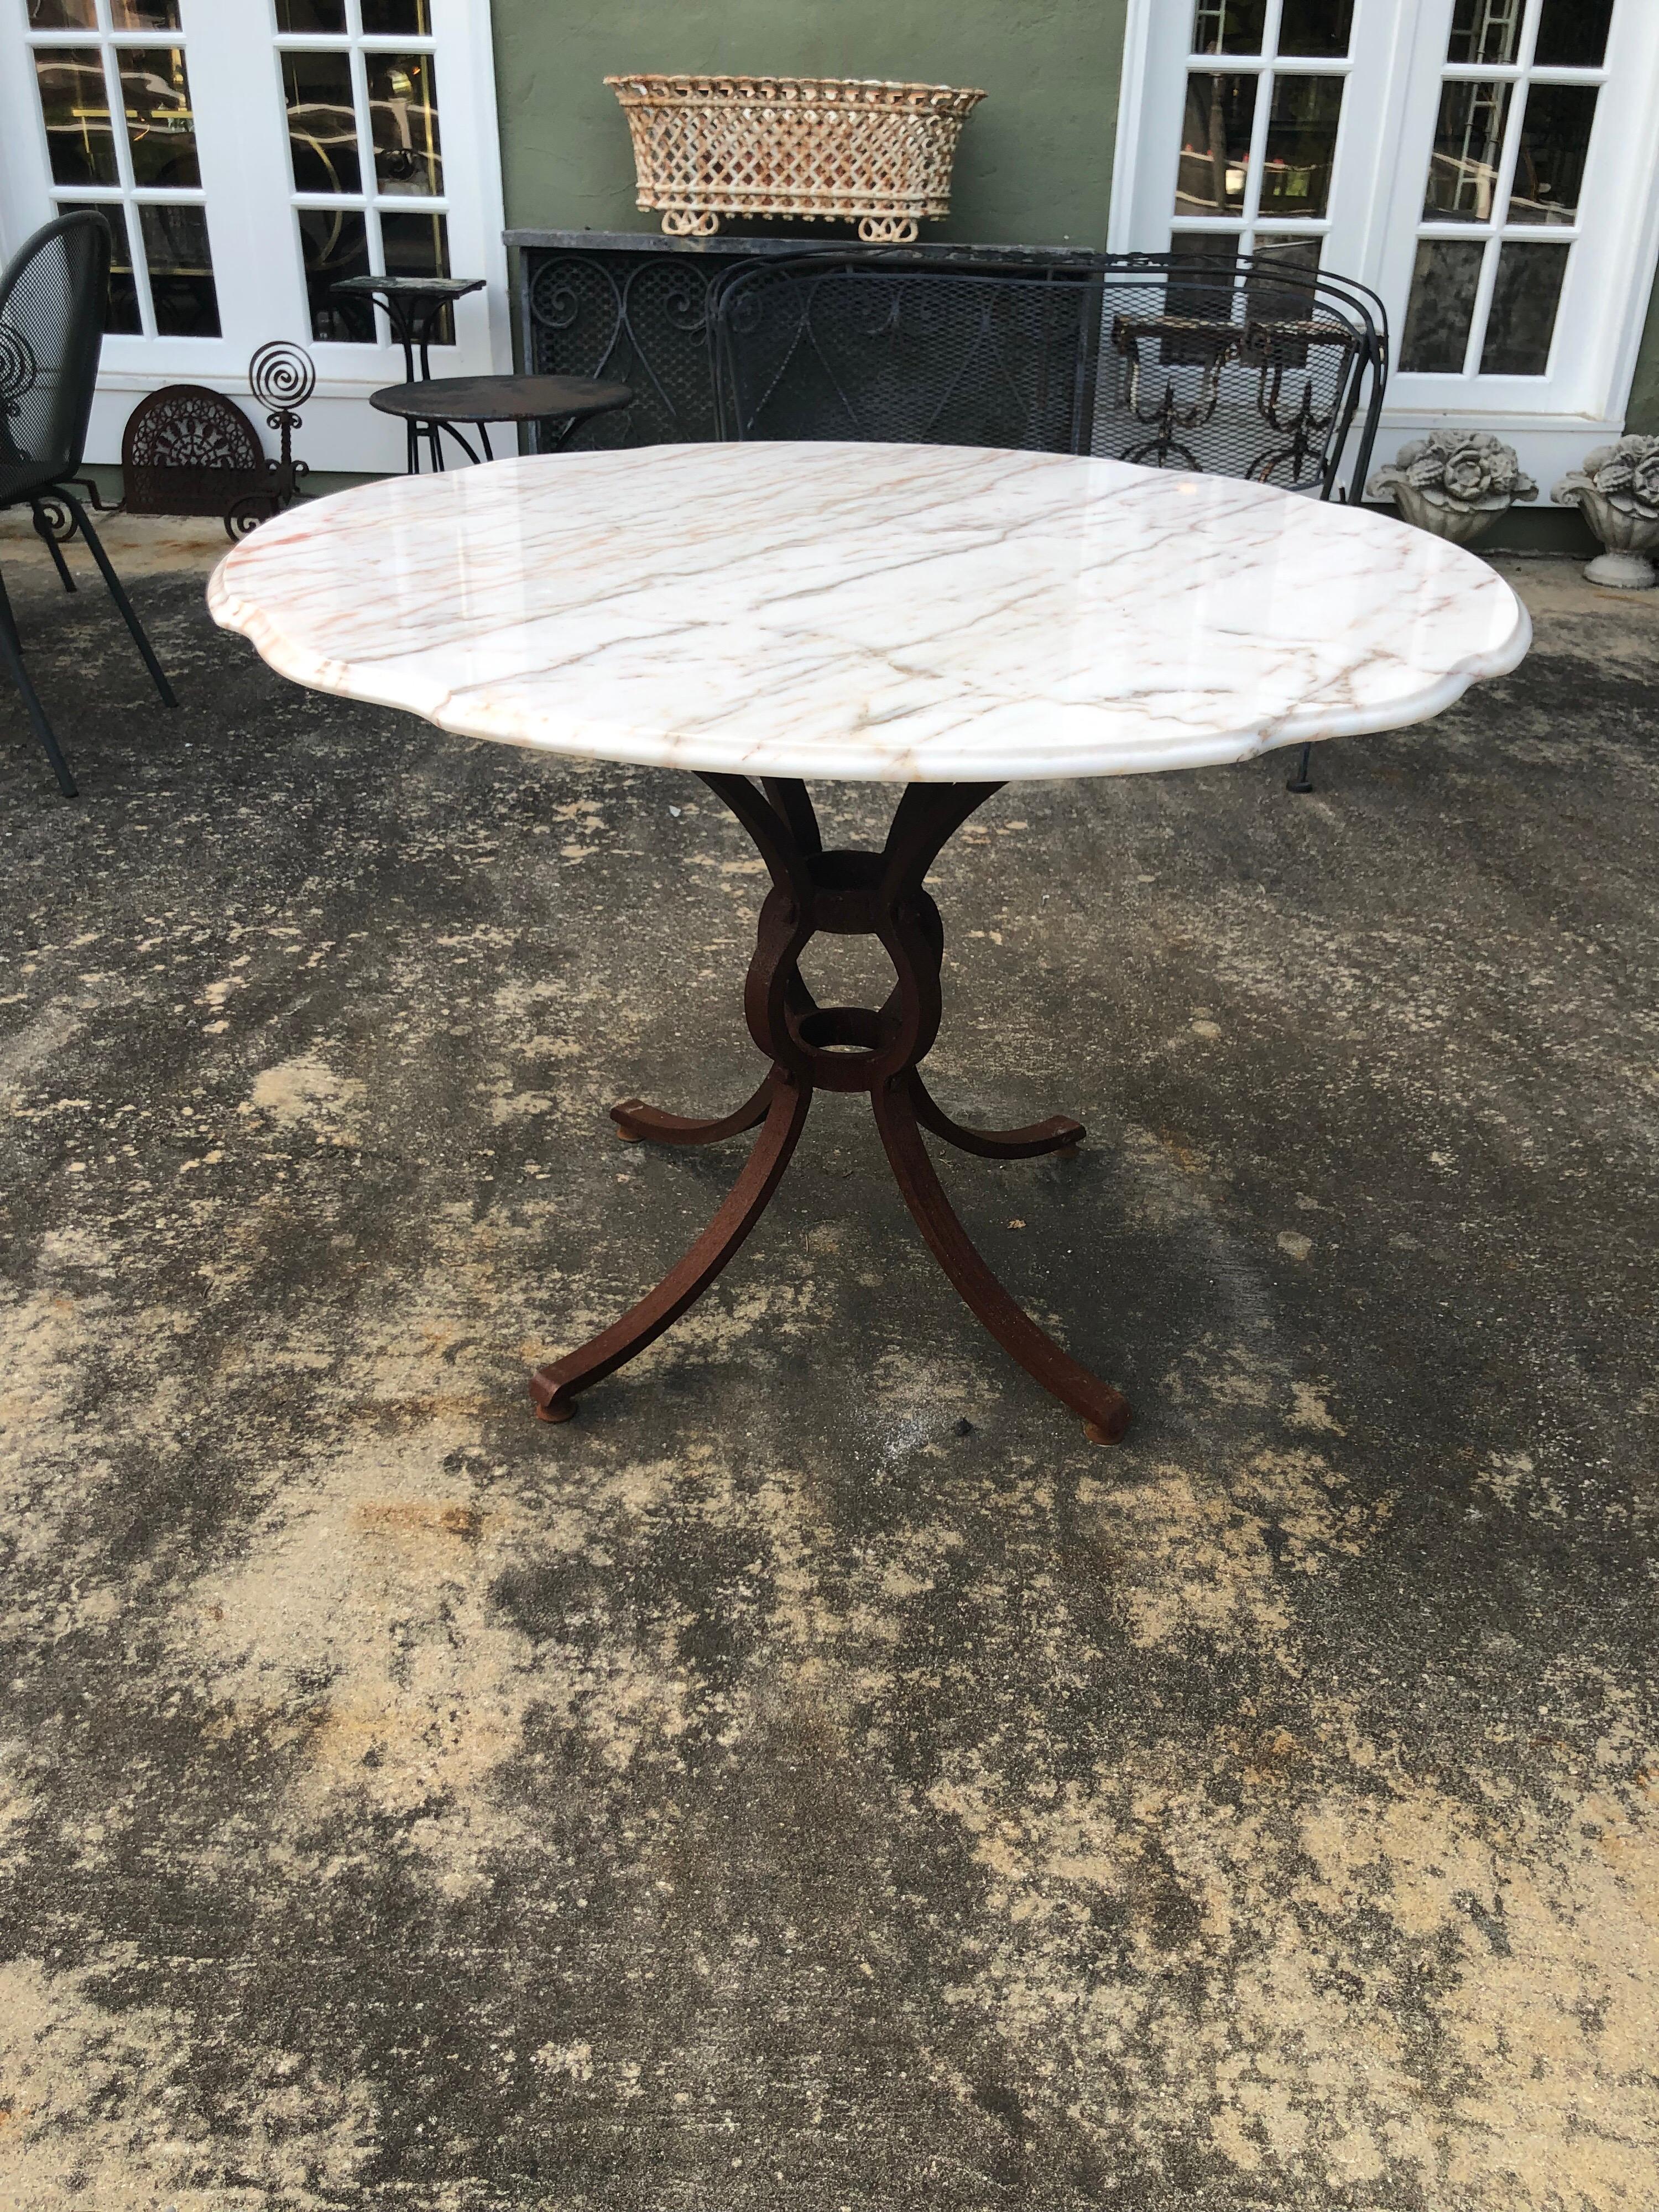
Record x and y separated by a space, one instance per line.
1296 174
62 14
180 264
121 315
326 15
1229 27
161 127
1444 283
1215 144
418 246
144 15
412 19
1488 30
1555 135
1573 34
335 244
1316 26
403 106
322 122
1523 304
70 83
1469 144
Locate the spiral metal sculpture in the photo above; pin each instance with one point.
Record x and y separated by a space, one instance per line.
18 368
282 377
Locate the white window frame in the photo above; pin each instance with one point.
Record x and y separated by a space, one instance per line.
1398 56
231 49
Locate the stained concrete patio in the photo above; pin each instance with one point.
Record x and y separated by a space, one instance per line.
817 1778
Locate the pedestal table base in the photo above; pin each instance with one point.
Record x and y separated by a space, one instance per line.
809 1047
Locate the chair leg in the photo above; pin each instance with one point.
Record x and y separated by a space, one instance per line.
1301 781
43 529
168 696
11 651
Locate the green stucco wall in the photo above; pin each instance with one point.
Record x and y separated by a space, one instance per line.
1643 412
1034 167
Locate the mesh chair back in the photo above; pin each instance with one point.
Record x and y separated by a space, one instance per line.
52 319
1241 368
882 348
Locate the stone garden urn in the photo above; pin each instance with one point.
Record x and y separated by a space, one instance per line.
1453 483
1617 491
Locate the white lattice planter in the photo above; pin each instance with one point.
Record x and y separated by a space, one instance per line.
820 149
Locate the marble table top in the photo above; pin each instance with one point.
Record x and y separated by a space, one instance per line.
900 613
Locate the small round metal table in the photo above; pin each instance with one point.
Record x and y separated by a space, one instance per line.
943 619
433 404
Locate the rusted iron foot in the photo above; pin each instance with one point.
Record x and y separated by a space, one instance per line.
1104 1410
1059 1133
638 1123
554 1387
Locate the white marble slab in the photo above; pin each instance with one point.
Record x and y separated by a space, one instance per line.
904 613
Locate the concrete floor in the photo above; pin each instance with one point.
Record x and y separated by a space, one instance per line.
817 1778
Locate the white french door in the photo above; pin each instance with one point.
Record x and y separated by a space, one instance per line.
248 154
1484 165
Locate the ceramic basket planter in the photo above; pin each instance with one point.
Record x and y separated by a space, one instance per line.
1455 483
1617 492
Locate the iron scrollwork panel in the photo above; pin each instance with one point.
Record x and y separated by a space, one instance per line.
640 320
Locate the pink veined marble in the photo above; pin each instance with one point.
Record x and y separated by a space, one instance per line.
900 613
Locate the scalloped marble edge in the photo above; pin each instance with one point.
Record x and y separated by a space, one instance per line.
826 758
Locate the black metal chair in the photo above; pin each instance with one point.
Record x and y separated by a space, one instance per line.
1250 367
51 318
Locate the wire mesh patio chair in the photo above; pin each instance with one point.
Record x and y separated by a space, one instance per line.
1255 366
51 316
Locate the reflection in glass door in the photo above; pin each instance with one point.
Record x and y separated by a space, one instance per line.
359 91
112 81
1520 89
1260 125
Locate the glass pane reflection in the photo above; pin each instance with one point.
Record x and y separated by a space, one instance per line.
121 316
335 244
418 246
1469 144
1555 136
1444 283
1573 34
1215 144
76 106
403 106
1488 30
160 128
180 264
62 14
322 122
325 16
399 19
144 15
1229 27
1524 300
1295 172
1316 26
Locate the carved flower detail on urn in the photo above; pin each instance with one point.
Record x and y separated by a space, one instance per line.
1617 490
1453 483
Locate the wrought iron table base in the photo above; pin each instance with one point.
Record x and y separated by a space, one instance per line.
809 1047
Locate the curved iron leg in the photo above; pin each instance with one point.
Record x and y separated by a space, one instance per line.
1301 781
636 1121
554 1387
43 529
1104 1410
1059 1133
